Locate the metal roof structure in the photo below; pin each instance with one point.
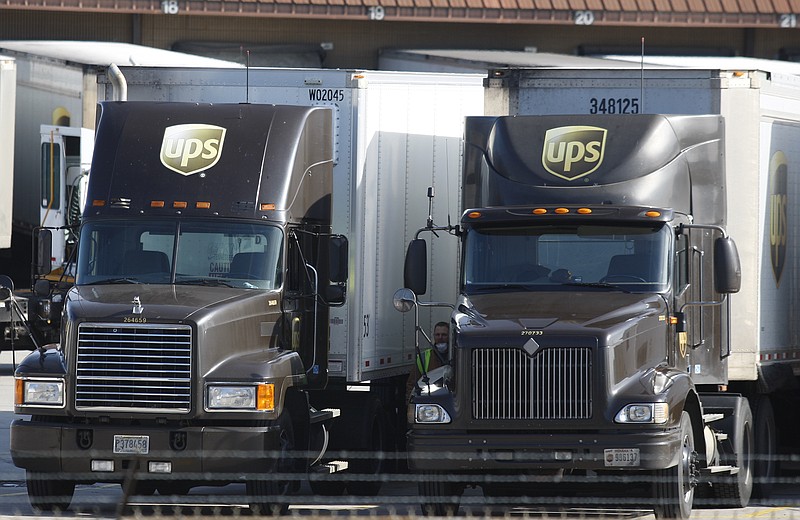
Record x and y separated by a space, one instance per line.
666 13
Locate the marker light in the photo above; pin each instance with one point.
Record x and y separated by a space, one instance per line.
98 203
561 211
267 207
539 211
653 214
584 211
474 214
179 204
202 205
156 203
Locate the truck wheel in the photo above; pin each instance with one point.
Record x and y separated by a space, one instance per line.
439 496
173 488
735 490
268 495
674 487
765 448
47 492
371 459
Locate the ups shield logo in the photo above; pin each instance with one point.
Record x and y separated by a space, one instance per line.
191 148
778 213
571 152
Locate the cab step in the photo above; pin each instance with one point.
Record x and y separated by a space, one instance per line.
716 470
333 466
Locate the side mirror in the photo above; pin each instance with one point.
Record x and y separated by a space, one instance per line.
404 300
44 251
41 288
415 274
335 295
727 269
338 258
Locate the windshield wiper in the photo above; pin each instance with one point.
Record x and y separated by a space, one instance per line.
111 281
599 285
509 285
209 282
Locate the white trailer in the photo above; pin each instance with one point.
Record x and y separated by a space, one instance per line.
395 135
8 86
761 110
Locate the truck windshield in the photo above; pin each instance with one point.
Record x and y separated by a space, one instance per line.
565 257
182 252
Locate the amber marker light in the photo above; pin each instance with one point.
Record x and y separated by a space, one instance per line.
265 397
98 203
673 320
539 211
267 207
653 214
202 205
156 203
561 211
19 385
474 214
178 204
584 211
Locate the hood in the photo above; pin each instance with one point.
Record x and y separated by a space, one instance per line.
158 302
605 315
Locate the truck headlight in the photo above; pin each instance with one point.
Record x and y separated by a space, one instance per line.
39 392
644 413
251 397
430 413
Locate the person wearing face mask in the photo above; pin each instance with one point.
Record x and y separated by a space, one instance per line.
431 358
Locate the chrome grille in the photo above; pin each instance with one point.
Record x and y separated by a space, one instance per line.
134 366
555 383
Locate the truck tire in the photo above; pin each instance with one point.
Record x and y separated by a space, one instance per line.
371 432
765 447
439 496
48 493
267 496
734 490
673 488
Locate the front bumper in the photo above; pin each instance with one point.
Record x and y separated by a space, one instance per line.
200 453
432 450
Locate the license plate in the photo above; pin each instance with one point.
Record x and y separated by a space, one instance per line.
137 444
622 457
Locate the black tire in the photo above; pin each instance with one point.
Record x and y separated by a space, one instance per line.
267 496
439 496
144 488
173 488
764 448
48 493
673 488
734 491
372 445
327 488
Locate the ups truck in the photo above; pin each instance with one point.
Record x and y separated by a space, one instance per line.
606 330
207 339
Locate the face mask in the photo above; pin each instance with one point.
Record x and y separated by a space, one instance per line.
441 347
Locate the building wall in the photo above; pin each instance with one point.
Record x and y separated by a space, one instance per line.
356 44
